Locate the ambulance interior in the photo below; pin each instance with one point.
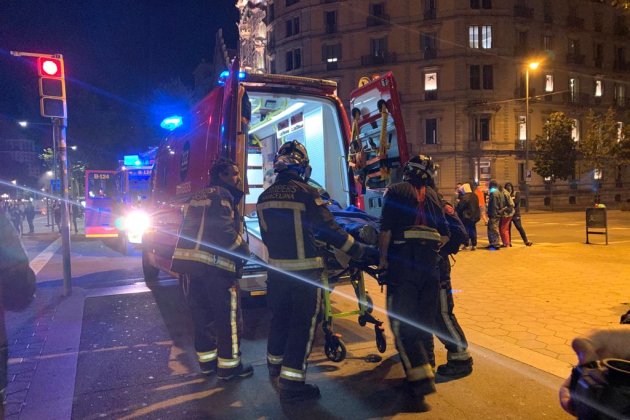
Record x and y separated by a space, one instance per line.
310 120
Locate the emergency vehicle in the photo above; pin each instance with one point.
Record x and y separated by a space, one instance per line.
247 118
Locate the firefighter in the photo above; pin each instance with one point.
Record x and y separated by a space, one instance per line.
413 228
291 213
207 250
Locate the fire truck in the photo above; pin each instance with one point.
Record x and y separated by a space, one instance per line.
246 118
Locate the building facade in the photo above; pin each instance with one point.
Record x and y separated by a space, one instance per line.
461 68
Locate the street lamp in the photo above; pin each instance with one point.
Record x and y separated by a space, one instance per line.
23 124
531 65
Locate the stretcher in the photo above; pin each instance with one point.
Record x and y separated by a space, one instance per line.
341 269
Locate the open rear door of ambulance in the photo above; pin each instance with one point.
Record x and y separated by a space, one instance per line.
234 127
378 147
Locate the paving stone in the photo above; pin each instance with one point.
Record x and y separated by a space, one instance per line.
531 344
522 335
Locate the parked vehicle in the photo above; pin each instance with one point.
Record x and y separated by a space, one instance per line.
246 118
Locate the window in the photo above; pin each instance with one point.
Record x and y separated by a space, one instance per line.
331 53
620 55
522 128
481 77
574 47
488 80
575 131
377 9
599 55
430 131
430 86
331 22
574 89
379 47
291 2
599 87
480 36
429 45
521 41
475 73
547 42
293 59
619 131
547 11
548 82
485 4
481 128
597 22
620 95
293 26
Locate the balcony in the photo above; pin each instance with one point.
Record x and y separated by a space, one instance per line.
334 65
620 65
430 95
331 28
329 1
377 20
520 145
430 14
574 22
578 99
430 53
523 12
379 59
575 59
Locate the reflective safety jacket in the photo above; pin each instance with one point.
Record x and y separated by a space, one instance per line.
209 234
291 213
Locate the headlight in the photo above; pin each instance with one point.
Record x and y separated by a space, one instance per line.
137 221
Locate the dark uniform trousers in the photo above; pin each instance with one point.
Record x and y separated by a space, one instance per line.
213 301
295 305
412 301
447 329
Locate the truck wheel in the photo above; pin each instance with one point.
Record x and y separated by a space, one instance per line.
150 273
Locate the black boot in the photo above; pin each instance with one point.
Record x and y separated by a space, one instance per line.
208 368
456 368
242 371
297 392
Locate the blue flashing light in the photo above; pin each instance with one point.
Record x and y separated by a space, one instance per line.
225 74
131 160
171 123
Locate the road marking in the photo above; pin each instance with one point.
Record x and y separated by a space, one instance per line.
42 259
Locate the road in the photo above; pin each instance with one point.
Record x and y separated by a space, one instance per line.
119 350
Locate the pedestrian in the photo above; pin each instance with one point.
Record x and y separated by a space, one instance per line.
57 215
17 288
16 219
456 197
207 251
516 219
413 228
74 208
290 213
449 332
29 213
481 198
506 217
468 211
495 208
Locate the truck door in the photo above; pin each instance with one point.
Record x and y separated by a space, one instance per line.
378 146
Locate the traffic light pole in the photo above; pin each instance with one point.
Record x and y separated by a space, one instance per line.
59 125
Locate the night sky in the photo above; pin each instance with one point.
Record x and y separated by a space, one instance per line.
116 52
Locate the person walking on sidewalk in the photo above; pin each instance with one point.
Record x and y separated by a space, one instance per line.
495 207
413 228
29 214
506 217
469 213
208 250
516 219
291 213
17 289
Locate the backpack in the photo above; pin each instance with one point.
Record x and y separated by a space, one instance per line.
459 235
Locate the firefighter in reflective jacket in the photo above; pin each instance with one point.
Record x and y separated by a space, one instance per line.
413 228
290 213
207 250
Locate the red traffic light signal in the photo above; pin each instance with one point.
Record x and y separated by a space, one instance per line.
49 67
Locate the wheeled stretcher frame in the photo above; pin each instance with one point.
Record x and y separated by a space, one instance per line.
334 347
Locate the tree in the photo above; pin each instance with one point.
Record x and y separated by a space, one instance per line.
555 149
600 140
622 148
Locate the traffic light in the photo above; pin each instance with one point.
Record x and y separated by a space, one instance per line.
52 87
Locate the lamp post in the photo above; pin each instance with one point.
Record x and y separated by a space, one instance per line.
532 65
